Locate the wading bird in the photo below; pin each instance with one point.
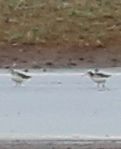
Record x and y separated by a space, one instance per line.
98 78
19 76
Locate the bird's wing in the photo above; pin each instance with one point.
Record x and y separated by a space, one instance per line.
24 76
21 74
103 75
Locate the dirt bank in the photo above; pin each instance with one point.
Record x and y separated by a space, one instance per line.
71 56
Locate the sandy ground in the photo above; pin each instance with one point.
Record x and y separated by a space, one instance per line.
73 56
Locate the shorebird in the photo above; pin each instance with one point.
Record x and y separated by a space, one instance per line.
19 76
98 78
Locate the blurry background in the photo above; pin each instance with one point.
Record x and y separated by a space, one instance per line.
95 22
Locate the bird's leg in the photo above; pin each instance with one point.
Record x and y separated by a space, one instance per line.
98 85
103 85
16 84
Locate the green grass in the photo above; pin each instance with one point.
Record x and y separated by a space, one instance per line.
60 21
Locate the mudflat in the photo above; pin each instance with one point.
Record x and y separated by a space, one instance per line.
68 56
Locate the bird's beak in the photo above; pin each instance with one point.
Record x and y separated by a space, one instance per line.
84 74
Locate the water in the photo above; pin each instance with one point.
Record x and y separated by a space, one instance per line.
60 104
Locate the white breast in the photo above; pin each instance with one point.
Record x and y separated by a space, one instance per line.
99 79
17 78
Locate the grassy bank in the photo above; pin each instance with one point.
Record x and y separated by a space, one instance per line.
59 22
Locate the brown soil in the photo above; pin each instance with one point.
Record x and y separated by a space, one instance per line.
64 34
72 56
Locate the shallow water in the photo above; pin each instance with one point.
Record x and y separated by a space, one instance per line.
60 103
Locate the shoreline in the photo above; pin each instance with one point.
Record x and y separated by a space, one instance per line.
70 138
68 57
42 144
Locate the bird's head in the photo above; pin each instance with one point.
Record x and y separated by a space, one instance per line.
90 73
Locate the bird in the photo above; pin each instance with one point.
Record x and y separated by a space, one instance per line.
98 77
96 70
19 76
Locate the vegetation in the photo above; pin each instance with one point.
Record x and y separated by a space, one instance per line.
53 22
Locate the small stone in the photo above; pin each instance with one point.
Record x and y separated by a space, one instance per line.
72 64
7 67
44 70
99 43
59 19
87 44
81 58
21 50
36 66
49 63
